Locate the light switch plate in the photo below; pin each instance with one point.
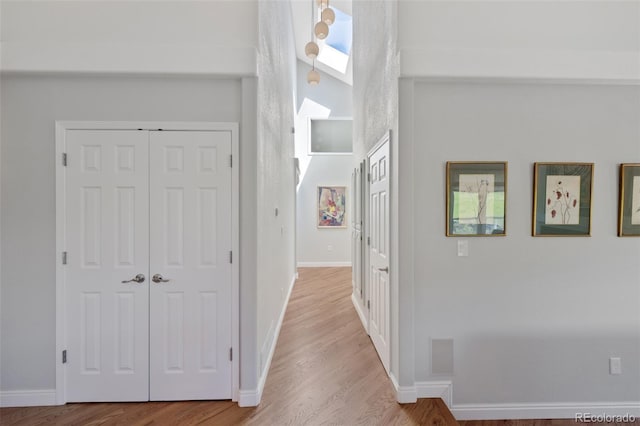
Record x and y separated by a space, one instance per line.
463 248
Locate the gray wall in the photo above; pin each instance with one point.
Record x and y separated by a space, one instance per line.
30 106
532 319
313 243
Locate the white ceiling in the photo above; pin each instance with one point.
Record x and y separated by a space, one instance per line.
303 25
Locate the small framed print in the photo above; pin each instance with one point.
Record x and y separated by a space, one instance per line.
562 199
629 201
332 202
476 199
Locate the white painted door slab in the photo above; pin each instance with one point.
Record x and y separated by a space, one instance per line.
107 206
148 203
190 223
379 314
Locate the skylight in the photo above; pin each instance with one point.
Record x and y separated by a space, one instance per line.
335 50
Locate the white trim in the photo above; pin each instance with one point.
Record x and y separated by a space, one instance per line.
249 398
543 411
61 128
235 266
28 398
146 58
61 244
404 394
518 63
436 389
252 397
358 308
323 264
524 80
149 125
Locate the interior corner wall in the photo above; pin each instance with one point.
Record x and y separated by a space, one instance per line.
30 105
533 320
315 246
275 175
376 69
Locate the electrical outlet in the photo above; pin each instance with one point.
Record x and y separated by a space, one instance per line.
615 366
329 247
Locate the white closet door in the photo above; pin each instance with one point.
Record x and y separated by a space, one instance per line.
190 241
379 315
107 239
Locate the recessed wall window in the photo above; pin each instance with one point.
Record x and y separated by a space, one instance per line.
330 136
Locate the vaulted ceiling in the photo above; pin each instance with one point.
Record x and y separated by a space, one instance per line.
302 11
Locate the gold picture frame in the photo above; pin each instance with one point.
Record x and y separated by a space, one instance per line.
629 200
476 199
562 195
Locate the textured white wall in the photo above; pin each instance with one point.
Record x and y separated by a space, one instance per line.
275 232
30 105
376 70
331 98
533 320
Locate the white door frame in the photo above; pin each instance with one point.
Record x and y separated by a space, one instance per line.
393 300
61 128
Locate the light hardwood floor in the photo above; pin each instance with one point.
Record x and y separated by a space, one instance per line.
325 371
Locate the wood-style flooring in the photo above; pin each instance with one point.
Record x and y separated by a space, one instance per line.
325 371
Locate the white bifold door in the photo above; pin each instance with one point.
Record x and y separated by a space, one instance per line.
148 274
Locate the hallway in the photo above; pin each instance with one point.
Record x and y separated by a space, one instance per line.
324 371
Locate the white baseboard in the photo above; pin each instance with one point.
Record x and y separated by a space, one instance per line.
363 317
549 411
28 398
249 398
252 397
404 394
436 389
433 389
323 264
602 412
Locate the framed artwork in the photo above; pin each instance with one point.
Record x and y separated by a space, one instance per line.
332 202
562 199
629 202
476 199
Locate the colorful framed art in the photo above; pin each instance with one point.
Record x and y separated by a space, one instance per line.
332 202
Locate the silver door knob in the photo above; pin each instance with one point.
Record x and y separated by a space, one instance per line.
137 279
157 278
384 269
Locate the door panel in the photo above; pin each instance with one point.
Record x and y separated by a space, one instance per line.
134 210
379 326
107 241
190 314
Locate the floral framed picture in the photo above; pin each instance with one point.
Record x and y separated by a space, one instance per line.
476 199
629 201
562 199
332 202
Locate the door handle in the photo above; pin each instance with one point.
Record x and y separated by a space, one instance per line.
157 278
384 269
137 279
